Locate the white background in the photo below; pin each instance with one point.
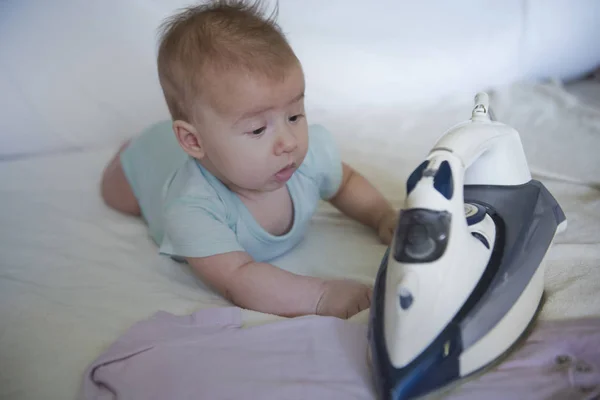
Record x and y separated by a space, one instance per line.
77 74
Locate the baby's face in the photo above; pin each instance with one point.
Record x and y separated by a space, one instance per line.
254 131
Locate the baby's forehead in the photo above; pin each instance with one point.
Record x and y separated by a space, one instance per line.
237 93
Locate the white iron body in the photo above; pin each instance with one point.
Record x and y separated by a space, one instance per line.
444 259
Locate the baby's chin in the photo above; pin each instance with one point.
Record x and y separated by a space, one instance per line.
272 185
268 185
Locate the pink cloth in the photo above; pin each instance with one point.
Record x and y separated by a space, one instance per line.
208 355
559 360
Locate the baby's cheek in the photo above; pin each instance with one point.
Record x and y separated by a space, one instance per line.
303 141
250 169
248 164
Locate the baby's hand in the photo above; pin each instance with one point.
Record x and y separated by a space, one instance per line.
344 298
387 225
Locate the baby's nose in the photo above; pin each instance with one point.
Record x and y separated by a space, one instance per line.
286 143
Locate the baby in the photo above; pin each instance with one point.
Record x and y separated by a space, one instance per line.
233 179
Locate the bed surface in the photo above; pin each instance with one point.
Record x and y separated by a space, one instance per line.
74 275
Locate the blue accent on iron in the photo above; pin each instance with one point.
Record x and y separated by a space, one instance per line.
406 299
442 181
481 238
415 177
479 215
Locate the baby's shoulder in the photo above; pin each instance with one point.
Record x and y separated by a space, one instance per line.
190 188
321 146
323 163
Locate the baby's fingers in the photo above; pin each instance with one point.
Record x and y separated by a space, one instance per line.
386 235
365 301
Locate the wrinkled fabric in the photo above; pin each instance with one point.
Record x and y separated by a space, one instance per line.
559 360
210 355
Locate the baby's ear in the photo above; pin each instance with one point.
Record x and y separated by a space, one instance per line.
188 138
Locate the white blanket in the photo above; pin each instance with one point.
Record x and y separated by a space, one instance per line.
74 274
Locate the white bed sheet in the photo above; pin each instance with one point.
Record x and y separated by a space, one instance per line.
74 274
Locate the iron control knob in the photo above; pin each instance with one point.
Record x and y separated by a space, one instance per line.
421 235
419 244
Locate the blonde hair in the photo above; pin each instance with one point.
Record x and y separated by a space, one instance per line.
218 36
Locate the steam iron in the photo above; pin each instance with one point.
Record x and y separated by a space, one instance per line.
464 275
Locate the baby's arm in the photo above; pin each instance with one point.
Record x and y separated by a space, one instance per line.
360 200
266 288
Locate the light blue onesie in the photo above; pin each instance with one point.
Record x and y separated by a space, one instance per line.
190 213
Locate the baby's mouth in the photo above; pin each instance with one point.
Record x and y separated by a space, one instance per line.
286 173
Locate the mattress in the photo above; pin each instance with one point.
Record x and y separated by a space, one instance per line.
75 275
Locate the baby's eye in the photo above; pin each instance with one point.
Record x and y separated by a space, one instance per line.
295 118
258 131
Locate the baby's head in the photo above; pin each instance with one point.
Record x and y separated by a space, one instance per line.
235 91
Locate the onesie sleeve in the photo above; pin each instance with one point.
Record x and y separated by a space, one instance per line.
323 162
197 227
